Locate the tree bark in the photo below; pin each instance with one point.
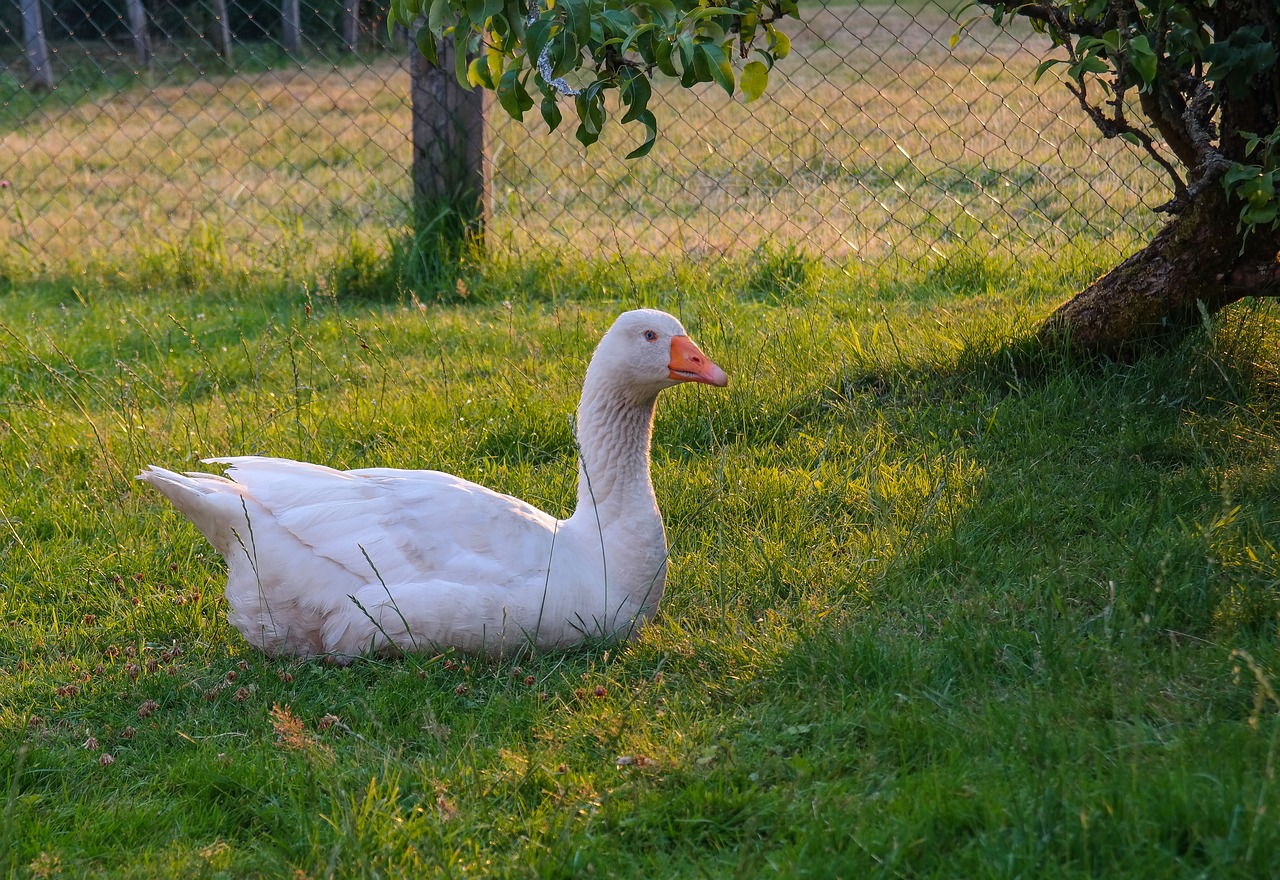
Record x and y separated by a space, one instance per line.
448 141
1198 262
41 75
138 27
291 26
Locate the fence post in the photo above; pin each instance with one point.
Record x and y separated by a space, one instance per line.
37 48
138 25
222 29
351 25
448 148
291 26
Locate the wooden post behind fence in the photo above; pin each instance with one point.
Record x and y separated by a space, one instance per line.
448 141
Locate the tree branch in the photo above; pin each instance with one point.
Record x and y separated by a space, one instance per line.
1210 164
1111 127
1057 17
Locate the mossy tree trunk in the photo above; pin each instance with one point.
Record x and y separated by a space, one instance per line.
1196 264
1196 86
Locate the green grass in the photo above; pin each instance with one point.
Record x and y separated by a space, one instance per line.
940 604
876 140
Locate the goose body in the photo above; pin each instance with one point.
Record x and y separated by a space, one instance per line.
383 560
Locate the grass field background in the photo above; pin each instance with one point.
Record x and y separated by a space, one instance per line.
941 603
876 138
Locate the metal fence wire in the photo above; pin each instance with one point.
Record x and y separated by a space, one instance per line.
265 126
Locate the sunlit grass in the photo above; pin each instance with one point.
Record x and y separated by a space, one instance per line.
940 603
876 139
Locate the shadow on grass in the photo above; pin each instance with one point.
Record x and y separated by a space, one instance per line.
1048 679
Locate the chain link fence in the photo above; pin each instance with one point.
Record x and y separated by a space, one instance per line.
877 137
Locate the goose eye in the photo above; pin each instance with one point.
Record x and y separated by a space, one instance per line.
650 335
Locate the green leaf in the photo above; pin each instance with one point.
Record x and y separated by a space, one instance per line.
427 46
651 135
665 10
718 65
662 49
478 73
1143 58
590 105
577 18
398 13
566 53
635 92
689 71
499 36
585 136
515 16
781 43
621 22
535 37
633 36
1234 62
710 31
1088 64
1260 214
439 17
551 113
460 67
747 32
1238 174
701 65
511 93
1044 66
755 78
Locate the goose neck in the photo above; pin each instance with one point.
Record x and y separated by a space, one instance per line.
614 434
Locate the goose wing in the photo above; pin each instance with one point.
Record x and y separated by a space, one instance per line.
400 526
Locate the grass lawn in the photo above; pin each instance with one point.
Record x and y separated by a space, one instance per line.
877 138
940 604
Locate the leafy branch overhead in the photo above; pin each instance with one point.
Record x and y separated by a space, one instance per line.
1204 74
527 48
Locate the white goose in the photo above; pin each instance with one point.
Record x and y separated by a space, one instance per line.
382 560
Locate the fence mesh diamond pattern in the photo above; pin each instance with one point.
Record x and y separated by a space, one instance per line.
266 126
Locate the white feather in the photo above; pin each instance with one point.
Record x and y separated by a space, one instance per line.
322 561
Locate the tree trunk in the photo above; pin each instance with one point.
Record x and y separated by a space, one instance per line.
351 25
222 29
41 75
138 27
448 143
291 27
1197 262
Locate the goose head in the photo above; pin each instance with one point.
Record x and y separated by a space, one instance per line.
647 350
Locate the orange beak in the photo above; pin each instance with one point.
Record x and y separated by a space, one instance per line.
689 364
